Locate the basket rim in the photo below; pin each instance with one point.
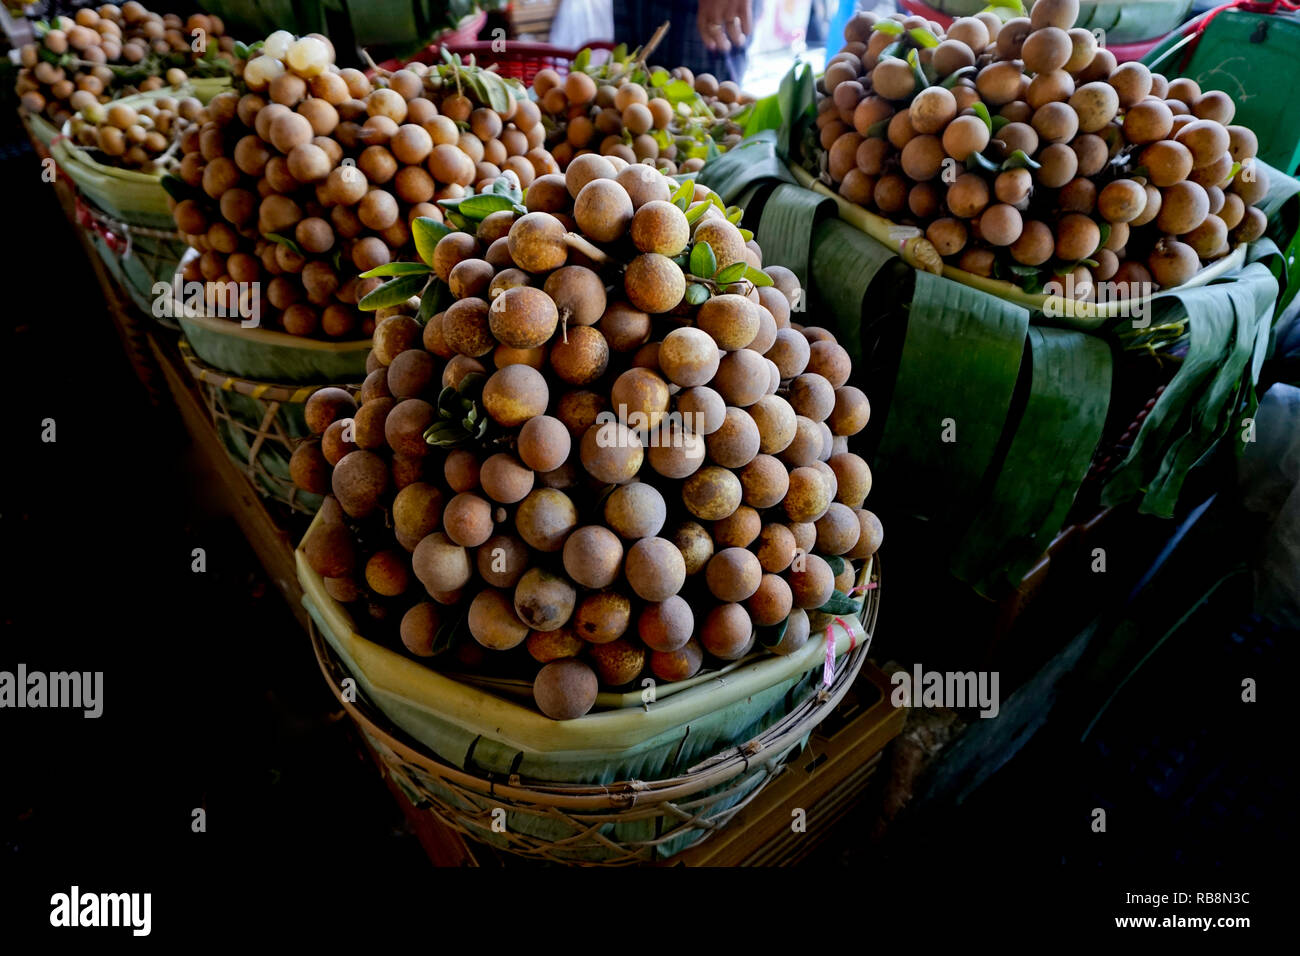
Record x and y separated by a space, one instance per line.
259 335
1072 313
723 766
78 155
292 394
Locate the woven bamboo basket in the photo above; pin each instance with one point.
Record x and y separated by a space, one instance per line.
918 252
624 822
260 425
265 354
126 212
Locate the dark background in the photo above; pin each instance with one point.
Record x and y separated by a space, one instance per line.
212 699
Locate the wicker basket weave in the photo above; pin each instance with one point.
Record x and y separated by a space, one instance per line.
260 425
523 816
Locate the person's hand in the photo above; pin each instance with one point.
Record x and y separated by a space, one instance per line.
724 23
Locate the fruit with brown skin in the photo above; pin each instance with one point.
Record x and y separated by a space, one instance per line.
619 662
440 564
602 616
544 601
493 622
419 627
515 394
655 569
545 518
523 317
547 646
326 406
565 689
727 632
681 664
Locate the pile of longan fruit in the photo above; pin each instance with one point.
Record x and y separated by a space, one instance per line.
137 137
1132 178
617 116
665 482
312 175
67 70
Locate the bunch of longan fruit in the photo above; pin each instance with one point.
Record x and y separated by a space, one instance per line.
1024 150
611 113
663 482
67 70
312 175
137 137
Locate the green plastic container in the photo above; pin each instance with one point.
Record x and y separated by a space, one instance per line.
1253 57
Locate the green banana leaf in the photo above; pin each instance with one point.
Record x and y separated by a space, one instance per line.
1228 327
1251 57
1045 462
784 232
960 361
750 161
854 285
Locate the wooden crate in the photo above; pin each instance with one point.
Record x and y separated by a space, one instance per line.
532 18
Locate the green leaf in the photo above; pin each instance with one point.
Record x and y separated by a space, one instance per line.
732 273
735 214
660 76
1049 445
683 194
695 212
1104 226
459 221
1023 270
504 186
980 161
1020 160
496 93
771 636
999 121
1005 10
241 50
923 37
426 232
703 262
878 129
895 51
982 112
840 604
696 294
679 91
757 277
746 235
836 562
918 74
284 241
890 27
949 81
619 53
397 269
581 61
393 292
431 300
479 207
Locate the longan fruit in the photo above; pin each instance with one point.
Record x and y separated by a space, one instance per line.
655 569
727 632
544 443
504 479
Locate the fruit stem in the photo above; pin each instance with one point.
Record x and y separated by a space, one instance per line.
365 55
575 241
